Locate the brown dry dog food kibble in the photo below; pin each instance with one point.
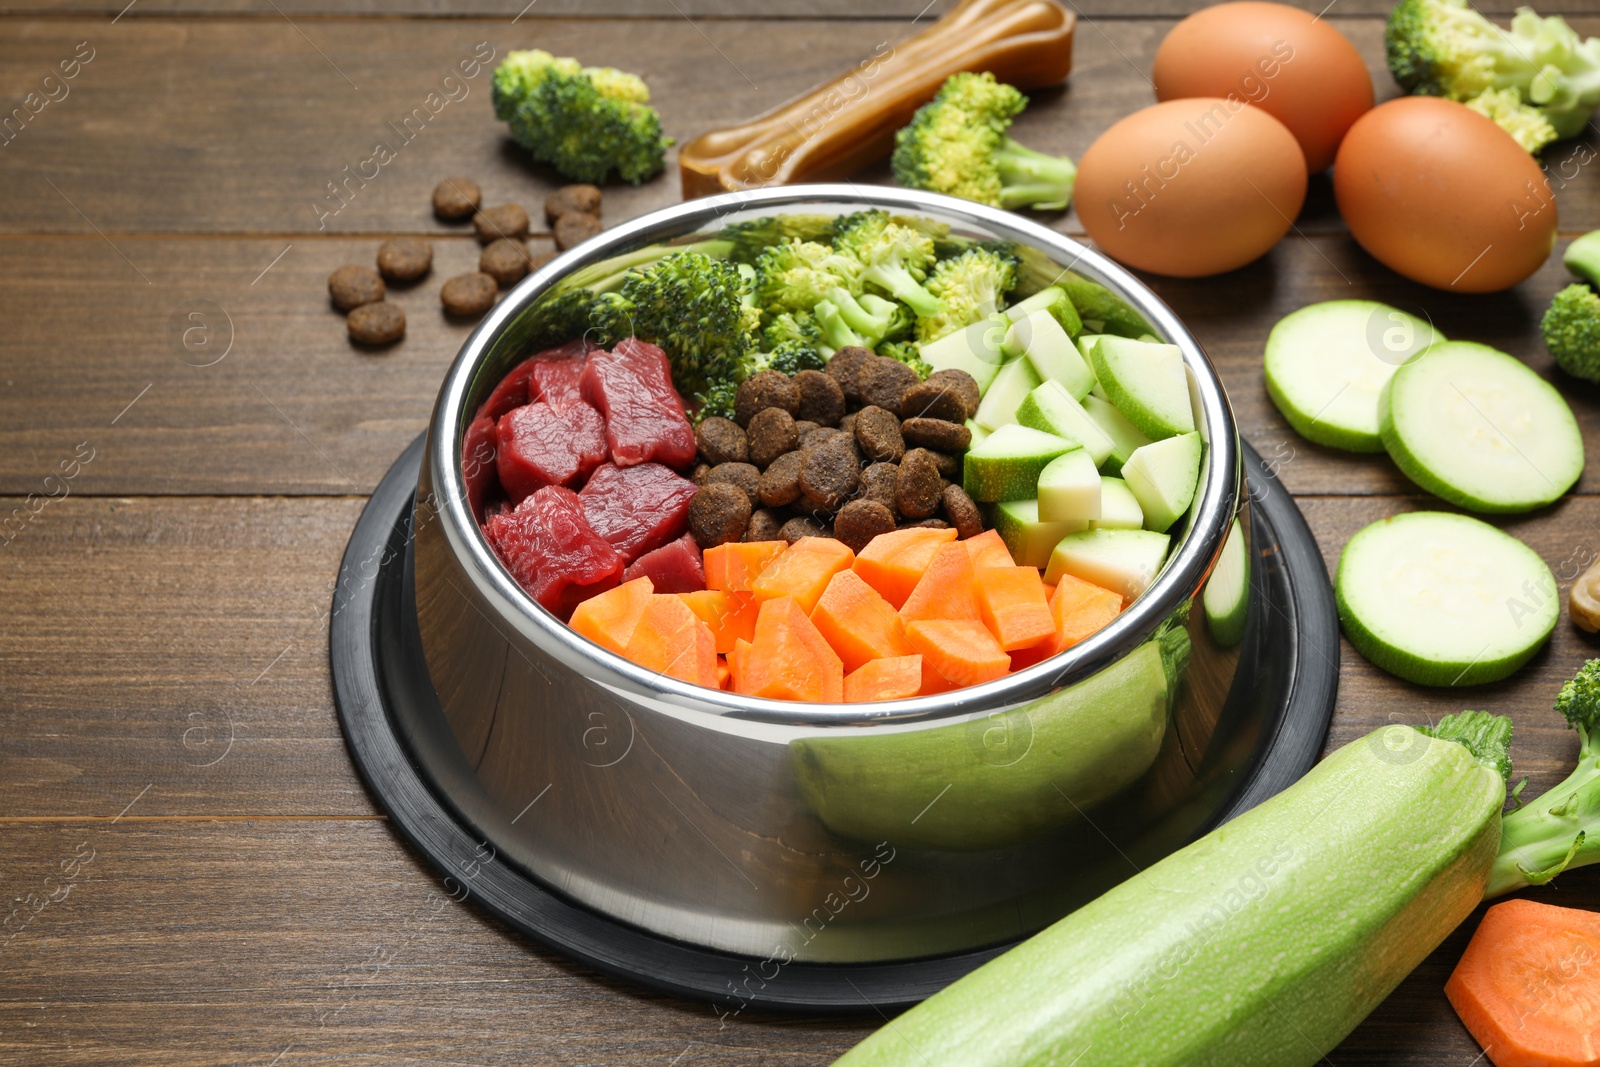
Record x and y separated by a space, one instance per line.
936 434
843 366
701 472
917 485
405 259
936 398
780 482
771 434
821 398
860 521
765 524
963 385
718 514
924 524
878 435
353 285
768 389
505 260
572 198
804 526
507 220
877 483
803 427
575 229
949 466
830 475
848 424
468 295
817 436
722 441
382 323
456 198
883 381
742 475
961 511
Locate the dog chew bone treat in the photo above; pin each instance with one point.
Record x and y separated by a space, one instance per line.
838 128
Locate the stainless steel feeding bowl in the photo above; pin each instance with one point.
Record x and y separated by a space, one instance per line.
822 832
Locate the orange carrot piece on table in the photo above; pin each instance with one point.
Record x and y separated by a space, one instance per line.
988 549
1078 609
1014 606
804 571
1528 986
861 626
889 678
893 562
733 567
962 650
610 618
789 660
946 590
730 615
673 640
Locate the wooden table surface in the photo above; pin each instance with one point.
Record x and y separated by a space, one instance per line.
195 873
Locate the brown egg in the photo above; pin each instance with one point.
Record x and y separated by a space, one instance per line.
1445 197
1191 187
1294 66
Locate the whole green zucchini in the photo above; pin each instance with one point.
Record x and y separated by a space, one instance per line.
1263 943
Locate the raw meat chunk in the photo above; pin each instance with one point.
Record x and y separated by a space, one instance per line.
538 445
552 553
632 387
477 464
673 568
638 508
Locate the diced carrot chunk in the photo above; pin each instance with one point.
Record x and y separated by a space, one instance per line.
1077 609
962 650
858 622
610 618
946 590
932 681
890 678
1013 606
724 674
1049 590
988 549
789 660
1528 985
741 649
730 615
671 639
804 571
893 562
736 565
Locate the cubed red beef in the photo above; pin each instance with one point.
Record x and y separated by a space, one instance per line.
548 547
556 381
514 389
673 568
632 387
477 464
637 508
538 445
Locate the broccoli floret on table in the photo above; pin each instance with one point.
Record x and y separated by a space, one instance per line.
584 121
1445 48
1571 330
957 144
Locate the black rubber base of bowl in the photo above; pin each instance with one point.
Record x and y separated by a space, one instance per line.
1297 650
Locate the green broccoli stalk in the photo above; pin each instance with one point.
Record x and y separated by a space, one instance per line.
896 258
584 121
695 307
957 144
869 323
1445 48
1571 331
1582 257
971 287
836 332
796 275
901 322
1552 834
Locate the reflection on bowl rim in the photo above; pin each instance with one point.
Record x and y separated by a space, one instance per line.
1181 576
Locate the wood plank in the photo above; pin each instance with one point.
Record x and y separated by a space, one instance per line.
697 9
294 408
213 944
246 153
